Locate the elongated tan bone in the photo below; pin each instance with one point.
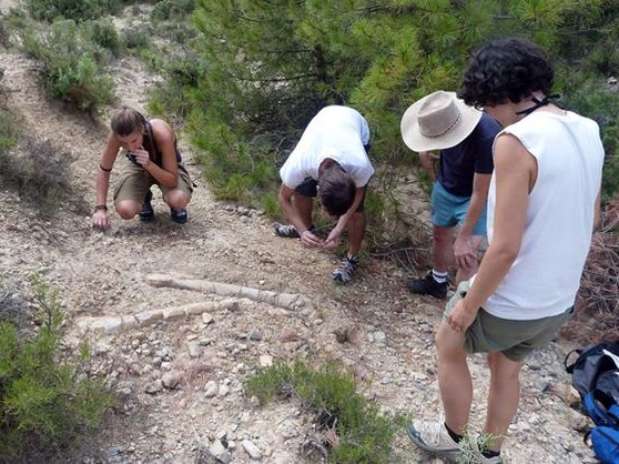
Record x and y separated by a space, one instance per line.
290 301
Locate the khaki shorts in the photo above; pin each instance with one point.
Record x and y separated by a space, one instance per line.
515 339
136 182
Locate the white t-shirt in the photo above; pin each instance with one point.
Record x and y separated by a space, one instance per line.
544 278
336 132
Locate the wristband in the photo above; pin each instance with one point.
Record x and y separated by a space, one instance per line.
104 169
100 208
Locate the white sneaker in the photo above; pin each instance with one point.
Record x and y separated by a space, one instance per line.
433 438
481 459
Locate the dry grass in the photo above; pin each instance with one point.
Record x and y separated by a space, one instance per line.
597 304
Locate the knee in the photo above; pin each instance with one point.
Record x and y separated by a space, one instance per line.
449 344
177 199
127 209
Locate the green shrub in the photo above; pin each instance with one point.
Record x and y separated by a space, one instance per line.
40 173
103 33
365 435
172 9
271 65
8 132
77 10
72 64
137 37
44 401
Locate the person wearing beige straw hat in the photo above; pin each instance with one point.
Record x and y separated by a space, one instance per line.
463 136
543 206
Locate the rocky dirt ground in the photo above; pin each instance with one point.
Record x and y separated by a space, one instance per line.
180 380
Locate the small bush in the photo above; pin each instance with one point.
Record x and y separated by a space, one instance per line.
72 65
77 10
364 434
8 132
136 37
172 9
44 402
40 174
103 33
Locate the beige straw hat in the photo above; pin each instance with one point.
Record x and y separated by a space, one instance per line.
438 121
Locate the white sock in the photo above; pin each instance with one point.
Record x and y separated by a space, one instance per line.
440 277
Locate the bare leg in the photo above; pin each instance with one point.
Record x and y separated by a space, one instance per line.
177 199
502 399
127 209
468 272
356 231
442 248
454 378
304 206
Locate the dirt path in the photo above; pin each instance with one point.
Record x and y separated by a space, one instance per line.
103 275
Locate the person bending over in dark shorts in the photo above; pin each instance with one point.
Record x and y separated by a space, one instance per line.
331 162
152 158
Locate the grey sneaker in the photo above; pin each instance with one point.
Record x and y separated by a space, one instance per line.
344 272
288 230
480 458
433 438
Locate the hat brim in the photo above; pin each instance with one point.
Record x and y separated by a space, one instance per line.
416 141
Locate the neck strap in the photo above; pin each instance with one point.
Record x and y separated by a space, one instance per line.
538 104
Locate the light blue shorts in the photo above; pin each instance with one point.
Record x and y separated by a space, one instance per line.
450 210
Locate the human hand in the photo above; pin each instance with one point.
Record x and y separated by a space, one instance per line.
461 317
100 220
310 240
333 239
465 252
141 157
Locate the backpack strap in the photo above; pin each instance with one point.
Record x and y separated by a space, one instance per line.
570 367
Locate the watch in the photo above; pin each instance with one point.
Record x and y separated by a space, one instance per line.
100 207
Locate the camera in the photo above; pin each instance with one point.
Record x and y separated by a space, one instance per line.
131 157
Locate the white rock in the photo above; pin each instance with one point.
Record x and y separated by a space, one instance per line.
207 318
171 379
251 449
210 390
266 360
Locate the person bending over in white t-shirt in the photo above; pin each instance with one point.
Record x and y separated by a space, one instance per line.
331 162
543 204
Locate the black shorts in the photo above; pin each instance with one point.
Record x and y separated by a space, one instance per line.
309 188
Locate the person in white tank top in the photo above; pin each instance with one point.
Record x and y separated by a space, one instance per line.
543 205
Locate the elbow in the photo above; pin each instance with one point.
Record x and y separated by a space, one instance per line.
506 252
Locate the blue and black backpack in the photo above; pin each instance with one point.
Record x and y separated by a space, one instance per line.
595 374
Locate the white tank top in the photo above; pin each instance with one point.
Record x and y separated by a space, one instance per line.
544 278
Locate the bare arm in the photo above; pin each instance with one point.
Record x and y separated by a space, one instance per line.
344 218
100 218
285 201
515 170
427 160
165 138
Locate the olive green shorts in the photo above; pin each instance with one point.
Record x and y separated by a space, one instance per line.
515 339
136 182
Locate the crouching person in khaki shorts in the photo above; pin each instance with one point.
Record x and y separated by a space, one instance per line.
152 158
543 203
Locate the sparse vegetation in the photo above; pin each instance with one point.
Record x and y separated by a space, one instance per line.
77 10
356 431
72 63
45 401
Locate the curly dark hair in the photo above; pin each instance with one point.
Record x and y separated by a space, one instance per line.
506 69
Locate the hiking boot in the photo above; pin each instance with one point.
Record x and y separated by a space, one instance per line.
344 272
433 438
148 213
288 230
428 286
178 215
